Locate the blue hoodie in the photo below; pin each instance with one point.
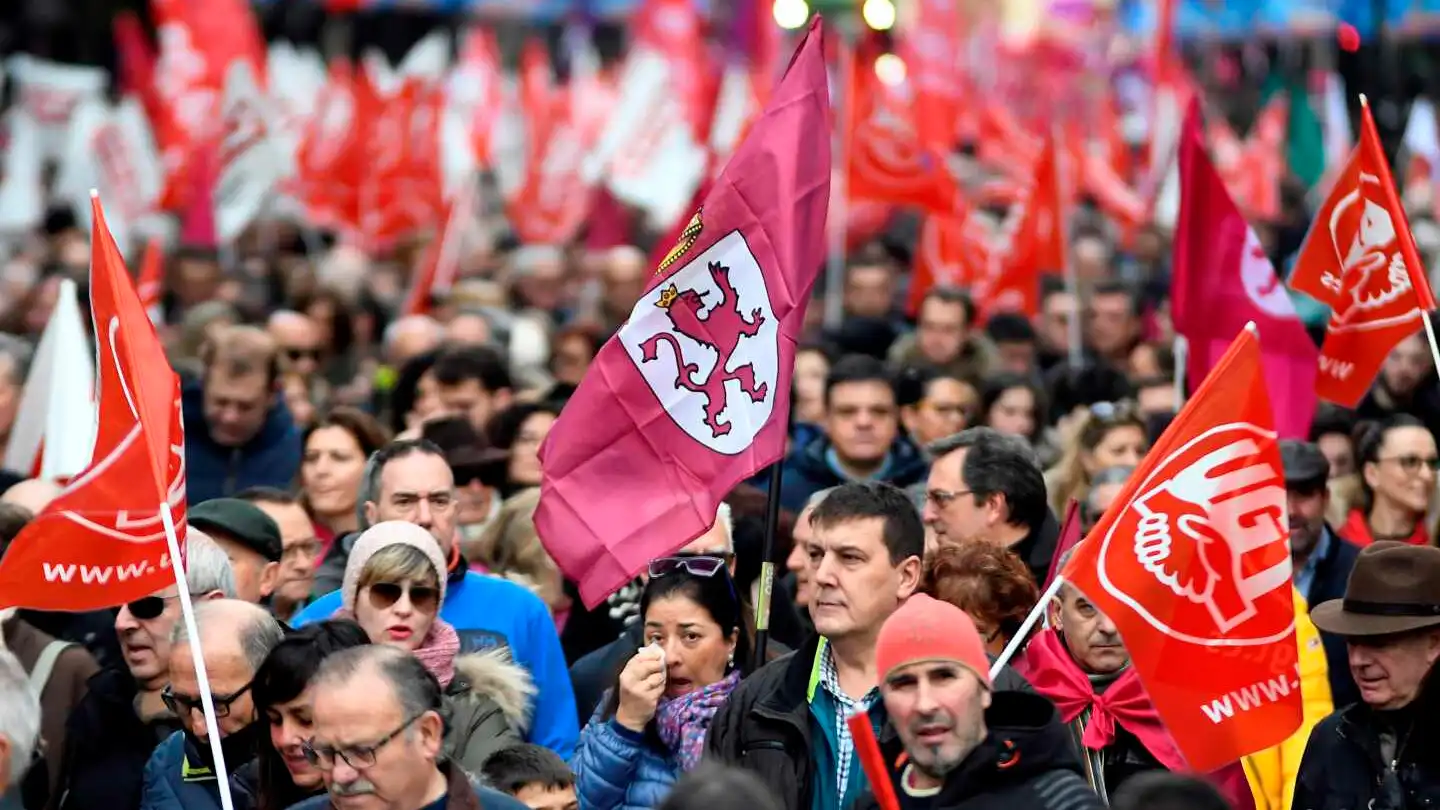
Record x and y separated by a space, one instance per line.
489 612
270 459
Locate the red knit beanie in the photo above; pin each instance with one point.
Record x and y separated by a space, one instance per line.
927 629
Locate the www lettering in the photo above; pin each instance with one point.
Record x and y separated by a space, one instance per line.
66 573
1336 368
1254 696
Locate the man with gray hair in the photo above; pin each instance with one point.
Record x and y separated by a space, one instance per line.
412 481
19 728
123 716
986 486
235 637
378 736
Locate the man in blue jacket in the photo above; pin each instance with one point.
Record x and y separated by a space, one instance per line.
238 432
411 481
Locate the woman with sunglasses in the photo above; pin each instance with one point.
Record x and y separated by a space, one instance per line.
279 776
1108 435
651 725
1397 463
394 586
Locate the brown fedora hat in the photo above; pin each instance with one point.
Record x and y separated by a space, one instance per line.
1394 588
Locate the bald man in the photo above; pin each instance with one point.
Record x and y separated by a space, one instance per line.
468 329
623 279
33 494
297 338
235 638
411 336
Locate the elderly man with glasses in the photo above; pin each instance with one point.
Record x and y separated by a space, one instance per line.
378 736
113 731
234 639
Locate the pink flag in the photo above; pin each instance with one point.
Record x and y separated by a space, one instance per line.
692 396
1222 279
197 226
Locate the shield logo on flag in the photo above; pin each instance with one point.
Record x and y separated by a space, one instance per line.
706 341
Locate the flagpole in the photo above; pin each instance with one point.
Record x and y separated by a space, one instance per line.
767 567
1426 316
1018 640
1180 347
197 656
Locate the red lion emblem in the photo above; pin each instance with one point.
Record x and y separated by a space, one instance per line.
721 330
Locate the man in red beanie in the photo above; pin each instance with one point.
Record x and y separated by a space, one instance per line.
964 746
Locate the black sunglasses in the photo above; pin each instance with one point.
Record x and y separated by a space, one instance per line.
301 354
149 607
700 566
383 595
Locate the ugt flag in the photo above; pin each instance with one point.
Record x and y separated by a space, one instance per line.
692 396
1360 260
1192 563
101 542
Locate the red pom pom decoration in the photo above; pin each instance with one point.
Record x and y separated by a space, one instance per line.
1348 37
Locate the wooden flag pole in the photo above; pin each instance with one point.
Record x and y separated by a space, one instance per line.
207 702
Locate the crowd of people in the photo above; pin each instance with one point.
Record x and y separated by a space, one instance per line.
382 627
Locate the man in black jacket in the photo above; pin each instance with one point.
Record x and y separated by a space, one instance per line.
1320 557
1381 753
958 745
986 486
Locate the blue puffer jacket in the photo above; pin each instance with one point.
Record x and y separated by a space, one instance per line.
172 783
618 769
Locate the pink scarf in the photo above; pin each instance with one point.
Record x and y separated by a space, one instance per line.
1047 664
437 651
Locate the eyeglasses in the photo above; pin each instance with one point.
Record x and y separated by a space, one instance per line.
944 497
149 607
383 595
304 548
356 756
296 355
1412 464
700 566
183 705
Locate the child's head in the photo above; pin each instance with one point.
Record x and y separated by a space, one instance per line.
535 775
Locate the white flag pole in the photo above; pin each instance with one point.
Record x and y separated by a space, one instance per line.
187 610
1017 640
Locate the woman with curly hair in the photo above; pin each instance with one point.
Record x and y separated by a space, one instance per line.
990 583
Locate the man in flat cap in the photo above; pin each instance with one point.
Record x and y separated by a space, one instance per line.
1382 753
1321 558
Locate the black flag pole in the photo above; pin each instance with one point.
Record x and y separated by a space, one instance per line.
767 565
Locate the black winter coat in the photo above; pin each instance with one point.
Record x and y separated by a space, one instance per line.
1026 762
1343 768
106 747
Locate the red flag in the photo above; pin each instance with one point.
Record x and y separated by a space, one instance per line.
884 158
151 284
1360 260
101 542
1070 537
1192 564
691 397
1222 280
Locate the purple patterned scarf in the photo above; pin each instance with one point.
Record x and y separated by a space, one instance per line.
683 721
